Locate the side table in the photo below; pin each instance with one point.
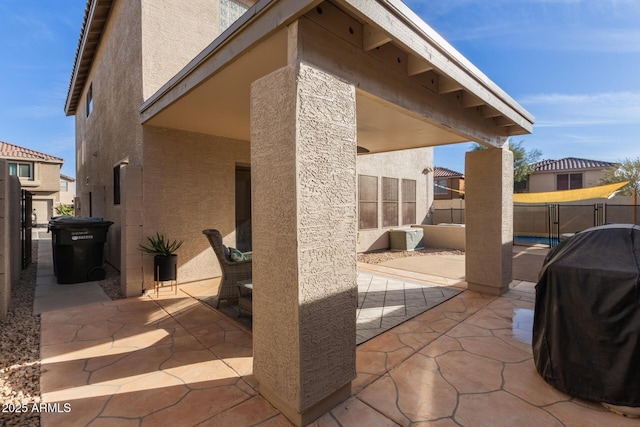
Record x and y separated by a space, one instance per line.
245 289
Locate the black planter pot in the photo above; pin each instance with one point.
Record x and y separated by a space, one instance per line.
165 268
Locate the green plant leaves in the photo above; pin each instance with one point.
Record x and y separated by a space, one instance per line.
160 245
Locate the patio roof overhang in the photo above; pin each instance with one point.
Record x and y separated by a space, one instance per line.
410 82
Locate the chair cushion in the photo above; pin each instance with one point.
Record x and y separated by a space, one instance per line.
235 255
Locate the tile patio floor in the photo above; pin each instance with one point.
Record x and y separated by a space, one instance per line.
176 361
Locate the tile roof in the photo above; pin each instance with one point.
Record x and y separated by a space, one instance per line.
570 163
11 151
67 178
439 172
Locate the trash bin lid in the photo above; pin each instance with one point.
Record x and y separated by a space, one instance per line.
71 221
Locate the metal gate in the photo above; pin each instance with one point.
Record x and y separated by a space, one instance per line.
553 213
25 228
574 218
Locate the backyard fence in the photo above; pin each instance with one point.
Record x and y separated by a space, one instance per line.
554 220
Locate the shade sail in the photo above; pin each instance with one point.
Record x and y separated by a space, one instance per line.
599 192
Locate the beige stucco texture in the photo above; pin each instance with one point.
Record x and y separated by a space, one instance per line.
304 216
489 219
402 164
542 182
189 186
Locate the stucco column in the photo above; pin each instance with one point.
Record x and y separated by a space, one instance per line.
131 273
303 160
489 219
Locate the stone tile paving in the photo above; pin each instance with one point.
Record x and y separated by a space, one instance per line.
176 361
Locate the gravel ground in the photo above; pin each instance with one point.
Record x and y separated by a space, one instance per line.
20 355
111 283
376 257
20 348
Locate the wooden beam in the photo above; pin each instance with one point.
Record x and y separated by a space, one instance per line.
489 112
502 121
374 37
448 85
372 74
417 65
469 100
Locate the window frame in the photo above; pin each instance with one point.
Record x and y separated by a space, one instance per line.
437 190
89 100
17 164
229 16
363 201
570 184
390 202
116 185
409 201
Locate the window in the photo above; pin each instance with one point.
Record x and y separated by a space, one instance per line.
568 181
230 11
440 186
116 185
64 185
21 169
367 202
408 201
389 202
90 99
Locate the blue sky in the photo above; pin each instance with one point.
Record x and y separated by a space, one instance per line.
38 41
573 64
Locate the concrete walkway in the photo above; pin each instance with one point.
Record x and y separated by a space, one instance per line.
49 295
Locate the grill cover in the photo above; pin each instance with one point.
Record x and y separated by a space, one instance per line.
586 329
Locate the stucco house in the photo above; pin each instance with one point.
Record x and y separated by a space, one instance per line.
67 189
569 173
445 182
248 117
39 173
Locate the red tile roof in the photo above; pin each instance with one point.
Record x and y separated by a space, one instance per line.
570 163
439 172
11 151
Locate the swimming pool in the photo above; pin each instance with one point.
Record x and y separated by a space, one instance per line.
535 240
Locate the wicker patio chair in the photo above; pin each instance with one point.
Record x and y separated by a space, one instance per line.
232 271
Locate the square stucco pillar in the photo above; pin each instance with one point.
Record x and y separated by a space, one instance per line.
131 274
489 220
303 183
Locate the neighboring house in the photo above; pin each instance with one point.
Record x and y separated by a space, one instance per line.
67 190
569 173
246 117
39 173
445 184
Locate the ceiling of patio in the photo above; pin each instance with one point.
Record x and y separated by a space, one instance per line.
221 106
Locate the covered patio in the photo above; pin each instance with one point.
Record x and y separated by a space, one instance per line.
175 360
308 85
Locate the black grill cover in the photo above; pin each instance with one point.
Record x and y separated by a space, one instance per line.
586 328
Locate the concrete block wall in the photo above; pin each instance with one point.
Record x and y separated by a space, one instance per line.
10 249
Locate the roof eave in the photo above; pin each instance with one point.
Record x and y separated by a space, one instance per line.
96 14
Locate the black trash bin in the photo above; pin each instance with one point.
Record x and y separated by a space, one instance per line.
78 248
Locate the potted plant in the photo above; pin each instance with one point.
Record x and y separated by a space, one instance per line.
165 260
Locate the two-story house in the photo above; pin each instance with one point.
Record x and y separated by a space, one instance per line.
447 184
248 117
569 173
67 190
39 173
